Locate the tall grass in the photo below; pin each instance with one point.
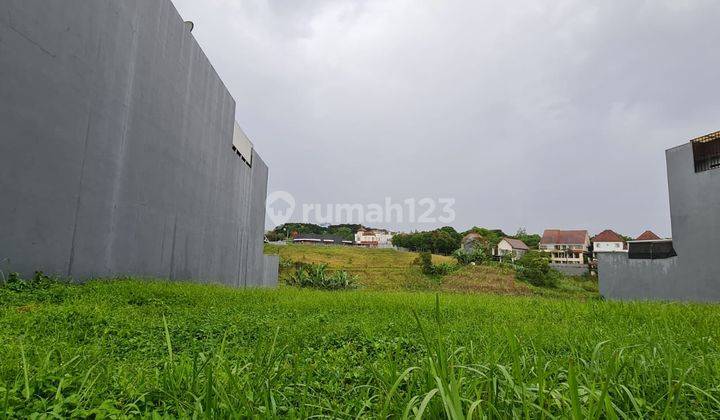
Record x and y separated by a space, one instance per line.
139 349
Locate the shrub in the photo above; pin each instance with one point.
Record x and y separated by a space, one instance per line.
426 263
477 256
534 268
317 276
430 269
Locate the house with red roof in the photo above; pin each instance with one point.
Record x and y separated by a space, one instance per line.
608 241
648 235
565 246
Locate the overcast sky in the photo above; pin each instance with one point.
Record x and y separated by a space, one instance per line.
542 114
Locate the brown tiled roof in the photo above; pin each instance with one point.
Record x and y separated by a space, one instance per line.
556 236
608 236
516 243
648 235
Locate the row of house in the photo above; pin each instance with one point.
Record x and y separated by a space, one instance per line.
571 251
575 252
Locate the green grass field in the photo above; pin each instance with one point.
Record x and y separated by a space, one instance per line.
390 270
129 348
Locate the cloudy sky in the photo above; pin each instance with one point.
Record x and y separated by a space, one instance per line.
528 113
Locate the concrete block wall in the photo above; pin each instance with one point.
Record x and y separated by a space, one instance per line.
116 148
694 274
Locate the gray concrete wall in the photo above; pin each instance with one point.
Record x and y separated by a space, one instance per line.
623 278
115 148
271 267
694 275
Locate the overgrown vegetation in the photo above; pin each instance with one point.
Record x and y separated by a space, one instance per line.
440 241
131 348
319 277
476 255
534 268
387 269
430 269
290 230
447 240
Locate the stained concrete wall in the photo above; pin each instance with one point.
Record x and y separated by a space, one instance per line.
116 148
694 275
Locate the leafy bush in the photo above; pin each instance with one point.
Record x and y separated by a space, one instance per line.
477 256
443 269
534 268
431 269
318 277
426 263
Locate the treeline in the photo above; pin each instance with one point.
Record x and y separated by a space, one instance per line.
290 230
446 239
440 241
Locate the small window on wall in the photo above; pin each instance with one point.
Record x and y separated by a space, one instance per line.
242 145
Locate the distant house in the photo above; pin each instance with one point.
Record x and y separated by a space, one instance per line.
373 238
471 241
608 241
316 239
566 247
648 235
515 248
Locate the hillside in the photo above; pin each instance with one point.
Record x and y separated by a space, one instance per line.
388 269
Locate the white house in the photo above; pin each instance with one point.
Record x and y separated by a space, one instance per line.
515 248
373 238
565 246
608 241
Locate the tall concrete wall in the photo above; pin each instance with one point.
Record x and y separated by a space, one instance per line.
694 275
116 148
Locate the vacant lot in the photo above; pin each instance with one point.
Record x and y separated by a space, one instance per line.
390 270
136 348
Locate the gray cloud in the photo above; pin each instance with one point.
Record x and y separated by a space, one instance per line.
536 114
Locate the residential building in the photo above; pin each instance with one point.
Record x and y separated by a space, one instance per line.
608 241
471 241
565 246
515 248
373 238
567 249
685 267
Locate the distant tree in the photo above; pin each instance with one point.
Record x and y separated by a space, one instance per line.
273 236
344 232
440 241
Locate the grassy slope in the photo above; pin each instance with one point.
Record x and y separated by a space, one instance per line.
387 269
102 348
378 269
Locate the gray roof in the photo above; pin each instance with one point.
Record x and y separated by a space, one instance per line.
516 244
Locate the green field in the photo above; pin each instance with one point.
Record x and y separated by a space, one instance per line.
128 348
390 270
